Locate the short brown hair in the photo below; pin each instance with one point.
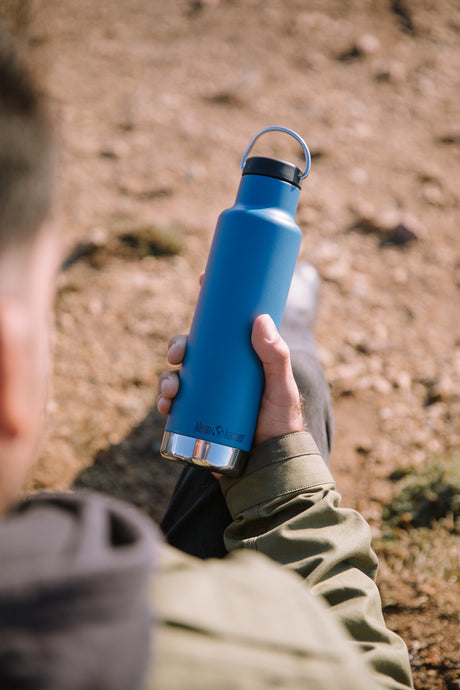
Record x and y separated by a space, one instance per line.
27 151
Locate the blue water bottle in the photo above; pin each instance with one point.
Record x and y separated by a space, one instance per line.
248 273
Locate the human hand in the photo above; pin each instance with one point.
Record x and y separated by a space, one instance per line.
280 410
169 380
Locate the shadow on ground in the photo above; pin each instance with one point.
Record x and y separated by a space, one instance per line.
134 470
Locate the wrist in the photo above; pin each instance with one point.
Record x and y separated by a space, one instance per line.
289 463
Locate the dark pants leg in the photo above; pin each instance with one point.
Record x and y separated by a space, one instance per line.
197 514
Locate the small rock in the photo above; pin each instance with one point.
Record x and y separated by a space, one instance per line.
368 221
357 340
349 53
129 404
360 285
365 383
440 390
359 176
82 250
336 271
346 376
95 307
99 236
403 380
363 46
116 148
400 275
108 152
225 97
319 147
325 356
51 407
432 193
388 218
141 190
381 331
199 5
326 252
328 228
404 15
399 237
195 171
381 385
450 136
363 209
387 70
367 44
308 216
364 446
395 228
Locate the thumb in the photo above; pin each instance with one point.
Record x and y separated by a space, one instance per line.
280 410
271 349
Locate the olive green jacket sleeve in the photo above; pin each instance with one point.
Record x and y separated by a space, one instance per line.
286 506
243 622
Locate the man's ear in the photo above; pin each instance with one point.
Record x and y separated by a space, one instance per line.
14 367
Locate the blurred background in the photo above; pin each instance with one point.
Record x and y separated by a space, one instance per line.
155 104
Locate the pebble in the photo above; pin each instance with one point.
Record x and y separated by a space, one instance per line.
325 356
387 70
385 413
336 271
95 307
393 227
367 44
399 236
319 147
433 194
205 4
363 46
308 216
449 136
346 378
400 275
359 176
99 236
360 285
381 385
441 390
403 380
364 446
384 222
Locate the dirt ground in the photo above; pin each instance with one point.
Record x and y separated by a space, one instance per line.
155 104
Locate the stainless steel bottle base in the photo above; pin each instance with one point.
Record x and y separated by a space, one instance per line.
195 451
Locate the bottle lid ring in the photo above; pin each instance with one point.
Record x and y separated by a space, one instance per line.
286 131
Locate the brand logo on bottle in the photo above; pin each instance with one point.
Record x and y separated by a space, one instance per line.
219 432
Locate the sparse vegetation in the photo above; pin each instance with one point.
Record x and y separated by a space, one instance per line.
430 493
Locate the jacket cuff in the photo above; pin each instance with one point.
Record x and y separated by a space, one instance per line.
287 464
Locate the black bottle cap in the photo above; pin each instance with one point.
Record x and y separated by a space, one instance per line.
271 167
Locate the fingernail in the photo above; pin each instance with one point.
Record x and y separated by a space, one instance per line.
163 385
171 350
269 330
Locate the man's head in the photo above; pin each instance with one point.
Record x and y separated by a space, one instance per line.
27 266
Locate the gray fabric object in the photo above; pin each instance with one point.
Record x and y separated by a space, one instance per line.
297 329
74 610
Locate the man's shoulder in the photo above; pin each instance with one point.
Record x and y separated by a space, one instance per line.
69 534
73 582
